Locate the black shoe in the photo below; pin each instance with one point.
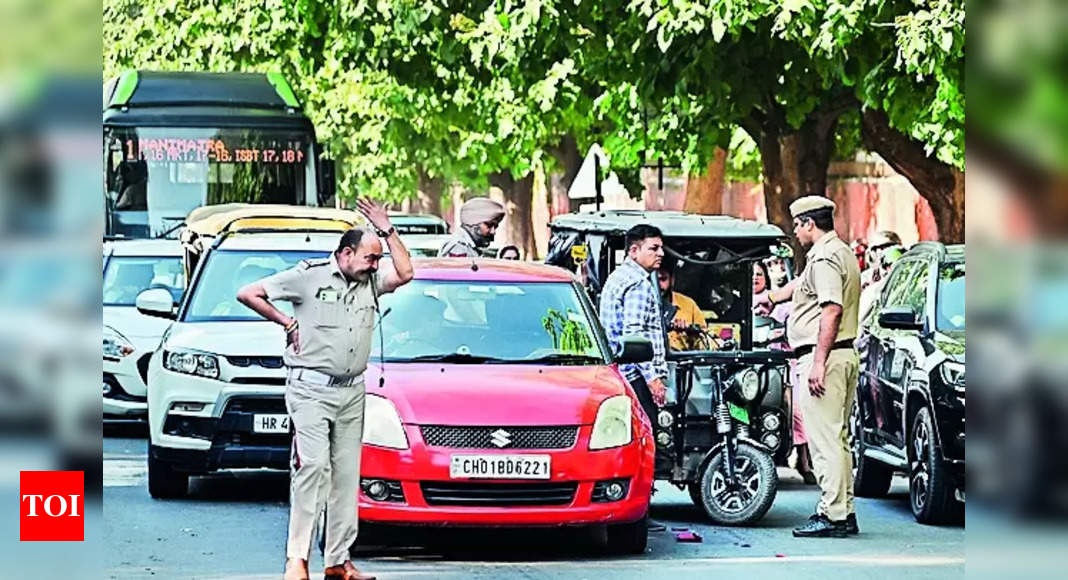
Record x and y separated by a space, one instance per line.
851 527
818 526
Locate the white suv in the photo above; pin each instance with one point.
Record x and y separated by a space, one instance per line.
216 381
130 267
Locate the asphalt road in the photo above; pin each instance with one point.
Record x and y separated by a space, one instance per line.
234 526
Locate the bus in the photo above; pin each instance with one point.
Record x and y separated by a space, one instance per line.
175 141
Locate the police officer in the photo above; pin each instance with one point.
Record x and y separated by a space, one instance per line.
328 342
479 219
821 330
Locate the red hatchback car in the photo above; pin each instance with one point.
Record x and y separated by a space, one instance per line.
502 406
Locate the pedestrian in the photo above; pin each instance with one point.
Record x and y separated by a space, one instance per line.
509 253
822 327
328 342
878 244
781 314
630 305
479 219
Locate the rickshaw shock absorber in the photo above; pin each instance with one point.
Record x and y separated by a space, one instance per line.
723 419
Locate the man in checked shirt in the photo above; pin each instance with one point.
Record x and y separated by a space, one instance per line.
630 305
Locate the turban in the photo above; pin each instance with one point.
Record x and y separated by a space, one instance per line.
480 210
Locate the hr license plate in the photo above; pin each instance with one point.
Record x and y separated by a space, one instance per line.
499 467
270 423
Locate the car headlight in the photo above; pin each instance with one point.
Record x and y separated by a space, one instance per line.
612 426
952 373
746 384
191 362
382 424
115 344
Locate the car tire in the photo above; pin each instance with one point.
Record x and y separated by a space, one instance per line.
759 468
871 478
164 482
629 538
930 489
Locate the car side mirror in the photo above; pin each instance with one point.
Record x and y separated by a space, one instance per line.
634 349
900 318
156 302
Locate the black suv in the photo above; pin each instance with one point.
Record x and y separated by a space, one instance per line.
909 410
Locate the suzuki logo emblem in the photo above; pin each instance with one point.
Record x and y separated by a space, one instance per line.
501 438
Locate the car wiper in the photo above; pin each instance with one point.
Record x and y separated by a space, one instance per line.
450 358
564 358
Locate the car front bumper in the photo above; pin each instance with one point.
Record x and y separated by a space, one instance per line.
421 468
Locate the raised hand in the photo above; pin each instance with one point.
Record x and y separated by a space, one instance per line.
374 213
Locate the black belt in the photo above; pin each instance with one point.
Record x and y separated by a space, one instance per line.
807 348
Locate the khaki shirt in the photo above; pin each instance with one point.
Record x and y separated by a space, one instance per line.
831 275
460 245
336 317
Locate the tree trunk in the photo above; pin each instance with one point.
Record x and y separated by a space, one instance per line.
570 159
704 193
519 199
940 184
428 199
794 162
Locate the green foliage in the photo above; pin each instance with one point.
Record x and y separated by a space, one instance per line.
464 90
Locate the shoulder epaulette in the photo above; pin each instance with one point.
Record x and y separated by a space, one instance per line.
306 264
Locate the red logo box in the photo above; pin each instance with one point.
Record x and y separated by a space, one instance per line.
51 506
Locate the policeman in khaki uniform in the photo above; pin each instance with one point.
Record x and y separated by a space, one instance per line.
328 343
826 298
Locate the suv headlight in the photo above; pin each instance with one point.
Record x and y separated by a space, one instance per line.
612 427
746 384
952 373
382 424
115 344
191 362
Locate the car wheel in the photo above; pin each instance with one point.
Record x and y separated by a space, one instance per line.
755 470
629 538
871 478
164 482
930 490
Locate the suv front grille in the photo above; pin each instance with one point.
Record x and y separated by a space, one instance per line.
461 437
498 494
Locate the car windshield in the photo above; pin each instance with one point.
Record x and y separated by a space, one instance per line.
543 323
127 276
214 297
951 300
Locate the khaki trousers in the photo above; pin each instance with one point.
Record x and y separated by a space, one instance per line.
827 429
324 467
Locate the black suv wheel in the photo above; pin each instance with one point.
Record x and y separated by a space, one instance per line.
930 489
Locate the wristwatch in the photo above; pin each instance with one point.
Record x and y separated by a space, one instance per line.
386 233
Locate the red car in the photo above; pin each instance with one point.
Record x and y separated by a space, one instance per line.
502 406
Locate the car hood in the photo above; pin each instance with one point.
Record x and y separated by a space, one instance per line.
136 327
506 395
952 344
258 338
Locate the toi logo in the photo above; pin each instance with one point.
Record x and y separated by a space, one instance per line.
51 506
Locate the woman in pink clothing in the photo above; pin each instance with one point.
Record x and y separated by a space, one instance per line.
781 313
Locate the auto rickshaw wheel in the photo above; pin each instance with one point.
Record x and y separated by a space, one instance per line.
758 485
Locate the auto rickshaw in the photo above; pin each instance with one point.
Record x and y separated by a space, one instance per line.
727 421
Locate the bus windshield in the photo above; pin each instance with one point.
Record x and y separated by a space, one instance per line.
157 175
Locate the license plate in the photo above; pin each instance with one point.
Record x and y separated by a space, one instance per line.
270 423
499 467
739 413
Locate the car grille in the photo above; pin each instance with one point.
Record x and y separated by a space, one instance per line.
275 405
460 437
267 362
498 494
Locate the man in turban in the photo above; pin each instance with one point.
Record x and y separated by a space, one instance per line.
479 219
